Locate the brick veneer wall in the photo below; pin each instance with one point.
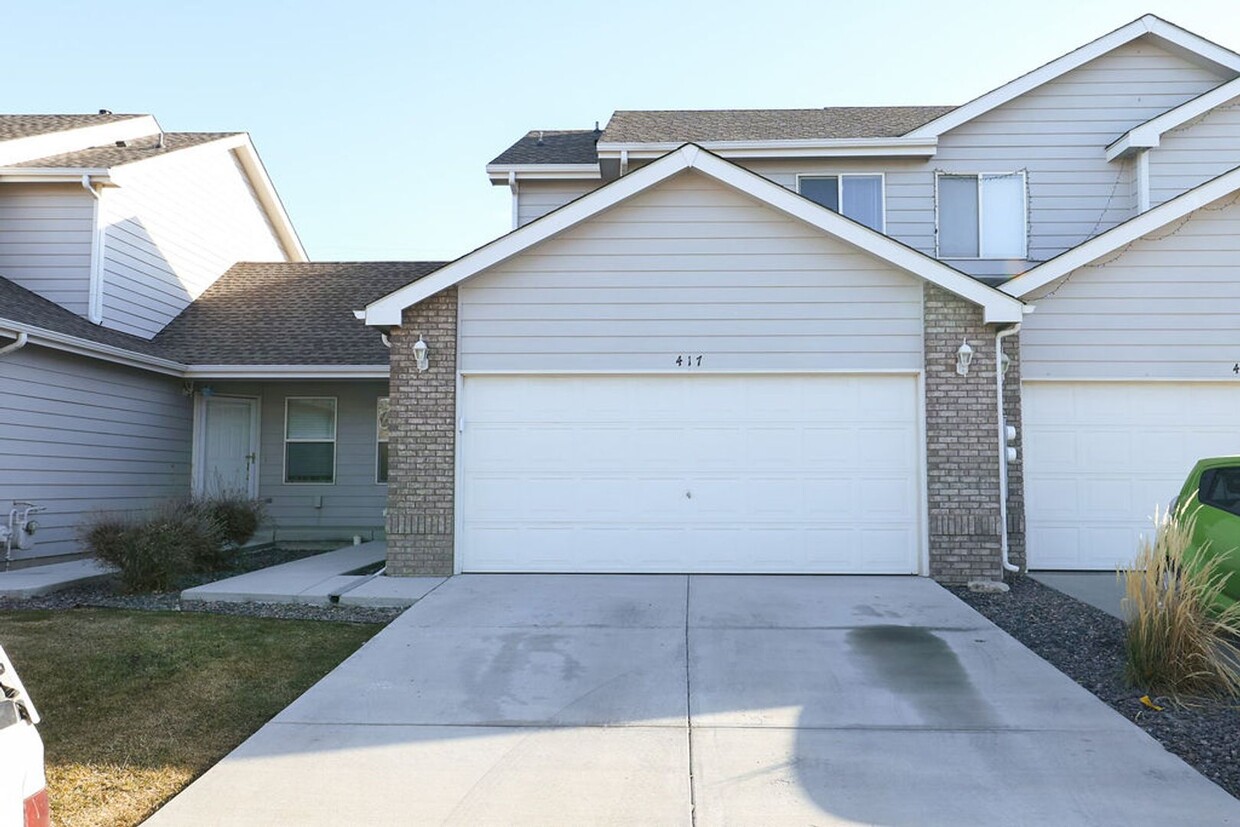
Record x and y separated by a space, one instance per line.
962 464
422 441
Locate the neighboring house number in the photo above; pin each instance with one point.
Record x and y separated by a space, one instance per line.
1236 368
686 361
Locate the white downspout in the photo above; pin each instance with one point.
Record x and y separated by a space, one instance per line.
16 345
516 198
1143 181
94 301
1003 460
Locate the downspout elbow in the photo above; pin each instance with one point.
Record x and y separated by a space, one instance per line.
16 345
1008 565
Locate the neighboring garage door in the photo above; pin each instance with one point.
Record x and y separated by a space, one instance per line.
1101 456
752 473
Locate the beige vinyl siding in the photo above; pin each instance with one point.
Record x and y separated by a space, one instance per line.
354 503
687 268
537 198
81 436
1195 152
46 239
174 226
1166 307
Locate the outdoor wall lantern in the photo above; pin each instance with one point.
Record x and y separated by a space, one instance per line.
419 354
964 357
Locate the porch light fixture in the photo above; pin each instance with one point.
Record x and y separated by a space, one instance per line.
964 357
419 354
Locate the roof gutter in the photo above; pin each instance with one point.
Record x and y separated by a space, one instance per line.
17 344
108 353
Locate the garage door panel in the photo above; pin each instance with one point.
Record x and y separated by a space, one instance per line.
1100 457
702 473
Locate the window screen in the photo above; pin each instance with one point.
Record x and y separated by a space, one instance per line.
310 440
958 213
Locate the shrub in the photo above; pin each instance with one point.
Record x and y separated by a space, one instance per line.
239 517
1177 642
155 551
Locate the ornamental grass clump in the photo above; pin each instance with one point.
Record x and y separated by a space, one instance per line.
1178 643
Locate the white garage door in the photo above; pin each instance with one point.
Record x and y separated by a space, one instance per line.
1100 456
690 474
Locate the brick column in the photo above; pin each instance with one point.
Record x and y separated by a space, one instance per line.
422 441
962 462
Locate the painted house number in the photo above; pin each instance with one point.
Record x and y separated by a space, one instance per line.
1236 368
685 360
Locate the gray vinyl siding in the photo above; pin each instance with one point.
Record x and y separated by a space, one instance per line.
174 226
691 267
81 436
45 241
537 198
1195 152
354 502
1166 307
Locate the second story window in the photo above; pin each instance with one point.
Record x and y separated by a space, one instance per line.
859 197
981 216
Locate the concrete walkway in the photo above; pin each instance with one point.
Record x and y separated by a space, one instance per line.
1100 589
319 580
697 700
39 580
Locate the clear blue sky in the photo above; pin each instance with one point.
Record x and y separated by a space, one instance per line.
375 119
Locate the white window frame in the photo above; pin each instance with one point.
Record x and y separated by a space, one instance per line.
839 192
978 176
335 432
379 442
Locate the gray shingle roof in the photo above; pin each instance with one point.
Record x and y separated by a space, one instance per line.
767 124
288 313
18 304
562 146
104 157
24 126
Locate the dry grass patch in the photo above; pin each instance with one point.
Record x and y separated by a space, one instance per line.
1177 642
136 705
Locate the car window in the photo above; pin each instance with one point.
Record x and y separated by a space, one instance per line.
1220 488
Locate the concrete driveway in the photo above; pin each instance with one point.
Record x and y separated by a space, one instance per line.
667 700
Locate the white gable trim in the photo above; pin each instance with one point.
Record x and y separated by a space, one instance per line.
1125 233
1175 37
998 307
1149 134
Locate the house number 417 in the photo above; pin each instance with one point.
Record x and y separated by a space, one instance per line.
687 361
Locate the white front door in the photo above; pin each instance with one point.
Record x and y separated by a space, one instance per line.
741 473
229 446
1100 457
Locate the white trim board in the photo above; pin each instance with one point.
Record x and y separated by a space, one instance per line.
1117 237
1149 134
997 306
1177 39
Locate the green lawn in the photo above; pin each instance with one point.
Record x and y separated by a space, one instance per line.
136 704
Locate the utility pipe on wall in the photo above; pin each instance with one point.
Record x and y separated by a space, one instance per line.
1003 460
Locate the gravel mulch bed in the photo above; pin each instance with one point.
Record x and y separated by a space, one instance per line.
108 594
1087 645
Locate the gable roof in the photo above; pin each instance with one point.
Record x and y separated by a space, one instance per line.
1125 233
997 306
1149 134
287 313
26 126
107 157
708 125
1168 34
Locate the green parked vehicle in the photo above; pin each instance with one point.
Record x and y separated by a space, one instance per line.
1211 495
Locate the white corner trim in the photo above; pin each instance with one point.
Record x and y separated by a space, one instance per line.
997 306
1118 236
16 150
286 372
1148 24
1149 134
